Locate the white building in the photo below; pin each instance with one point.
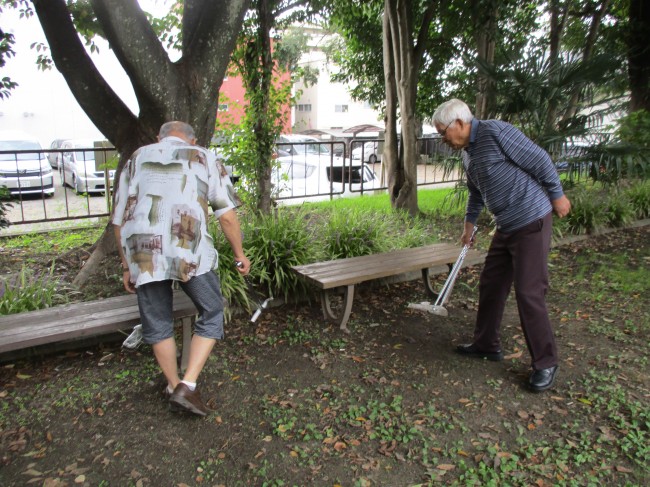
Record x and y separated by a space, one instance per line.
327 106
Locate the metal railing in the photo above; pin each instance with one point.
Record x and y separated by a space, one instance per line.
69 184
305 171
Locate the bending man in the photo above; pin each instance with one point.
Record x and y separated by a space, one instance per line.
160 221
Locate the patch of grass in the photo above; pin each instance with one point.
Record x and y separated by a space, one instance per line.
29 291
57 241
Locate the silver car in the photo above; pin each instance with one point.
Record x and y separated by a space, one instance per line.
80 170
24 172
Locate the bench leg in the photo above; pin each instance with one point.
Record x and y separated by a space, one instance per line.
342 318
187 341
426 277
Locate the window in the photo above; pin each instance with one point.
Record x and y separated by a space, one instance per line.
223 107
304 107
340 108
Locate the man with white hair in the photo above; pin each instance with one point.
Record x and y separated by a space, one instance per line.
160 221
518 183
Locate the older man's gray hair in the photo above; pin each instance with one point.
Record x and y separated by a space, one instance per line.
451 110
176 126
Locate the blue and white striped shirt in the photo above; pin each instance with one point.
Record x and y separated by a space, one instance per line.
509 174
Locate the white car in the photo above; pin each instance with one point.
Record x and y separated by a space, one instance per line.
369 151
24 172
55 157
80 170
300 178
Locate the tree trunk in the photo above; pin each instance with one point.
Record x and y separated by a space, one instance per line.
557 23
596 20
485 25
265 73
390 157
639 55
405 55
186 90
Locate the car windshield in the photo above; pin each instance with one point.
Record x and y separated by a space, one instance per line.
85 155
16 145
304 149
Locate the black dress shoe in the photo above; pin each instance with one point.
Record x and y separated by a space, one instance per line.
471 351
542 379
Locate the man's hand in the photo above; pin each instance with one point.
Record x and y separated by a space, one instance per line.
128 285
242 264
561 206
466 237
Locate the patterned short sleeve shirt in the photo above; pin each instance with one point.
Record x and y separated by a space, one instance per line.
162 208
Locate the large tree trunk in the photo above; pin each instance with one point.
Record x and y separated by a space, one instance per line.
186 90
639 55
405 55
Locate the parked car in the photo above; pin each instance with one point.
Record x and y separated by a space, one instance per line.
369 152
296 178
303 146
55 157
80 170
25 172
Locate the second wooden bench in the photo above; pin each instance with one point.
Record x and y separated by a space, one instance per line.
344 274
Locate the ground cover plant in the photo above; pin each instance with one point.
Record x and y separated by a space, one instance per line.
297 402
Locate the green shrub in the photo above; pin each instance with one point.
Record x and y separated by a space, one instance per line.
275 243
588 214
409 232
28 292
639 197
4 207
352 233
618 210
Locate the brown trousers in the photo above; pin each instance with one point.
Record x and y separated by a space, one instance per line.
520 257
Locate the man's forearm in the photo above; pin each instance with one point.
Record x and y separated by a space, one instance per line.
232 231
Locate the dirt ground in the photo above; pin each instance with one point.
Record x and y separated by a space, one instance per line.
297 402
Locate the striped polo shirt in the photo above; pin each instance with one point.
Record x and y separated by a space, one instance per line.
509 174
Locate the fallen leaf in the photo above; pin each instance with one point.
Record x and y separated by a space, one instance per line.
514 355
446 466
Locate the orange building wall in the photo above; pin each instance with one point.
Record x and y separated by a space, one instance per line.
232 93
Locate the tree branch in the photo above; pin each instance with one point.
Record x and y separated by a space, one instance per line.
138 50
102 105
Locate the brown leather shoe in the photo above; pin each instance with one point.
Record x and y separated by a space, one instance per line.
186 400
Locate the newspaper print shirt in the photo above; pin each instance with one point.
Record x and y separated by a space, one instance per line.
162 207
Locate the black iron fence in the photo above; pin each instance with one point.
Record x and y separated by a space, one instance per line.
71 183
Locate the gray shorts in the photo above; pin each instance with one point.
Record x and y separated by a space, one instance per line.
156 305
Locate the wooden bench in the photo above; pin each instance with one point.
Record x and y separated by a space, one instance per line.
343 274
86 319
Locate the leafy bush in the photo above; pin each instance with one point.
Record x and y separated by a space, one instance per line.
4 207
639 197
274 244
28 292
587 215
353 233
618 210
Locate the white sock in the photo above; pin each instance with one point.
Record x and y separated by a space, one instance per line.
191 385
170 389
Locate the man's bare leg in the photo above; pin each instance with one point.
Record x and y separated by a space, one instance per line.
165 353
200 350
